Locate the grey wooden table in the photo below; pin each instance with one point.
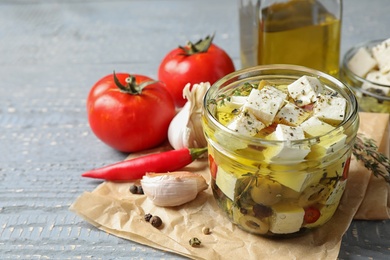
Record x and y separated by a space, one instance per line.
51 53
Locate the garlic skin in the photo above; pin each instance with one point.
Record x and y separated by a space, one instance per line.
172 188
185 129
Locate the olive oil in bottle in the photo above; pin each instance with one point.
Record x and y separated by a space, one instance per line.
302 33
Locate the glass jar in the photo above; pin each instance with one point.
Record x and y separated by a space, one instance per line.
277 197
372 96
300 32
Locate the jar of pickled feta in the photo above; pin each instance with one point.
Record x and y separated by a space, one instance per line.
280 140
361 71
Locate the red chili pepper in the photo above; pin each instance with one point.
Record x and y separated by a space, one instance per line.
134 169
312 214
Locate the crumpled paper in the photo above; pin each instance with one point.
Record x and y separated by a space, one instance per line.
112 208
376 202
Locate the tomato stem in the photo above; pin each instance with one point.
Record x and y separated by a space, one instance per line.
131 86
200 46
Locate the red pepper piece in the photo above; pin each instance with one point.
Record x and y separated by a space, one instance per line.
134 169
312 214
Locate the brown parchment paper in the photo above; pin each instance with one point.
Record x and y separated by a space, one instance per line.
112 208
376 202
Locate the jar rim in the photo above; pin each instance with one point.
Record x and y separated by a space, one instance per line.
296 71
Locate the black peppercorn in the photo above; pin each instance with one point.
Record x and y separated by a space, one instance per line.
147 217
155 221
133 189
136 189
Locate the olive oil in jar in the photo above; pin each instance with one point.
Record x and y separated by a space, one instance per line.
302 33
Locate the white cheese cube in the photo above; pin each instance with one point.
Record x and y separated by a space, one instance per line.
305 90
330 108
239 100
381 53
286 151
286 218
296 181
314 127
235 103
246 123
226 182
327 145
336 193
362 62
380 78
285 132
265 103
291 115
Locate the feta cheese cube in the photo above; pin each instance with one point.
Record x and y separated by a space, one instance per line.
246 123
286 218
381 53
265 103
239 100
291 115
335 193
226 182
362 62
330 108
296 181
286 151
305 90
234 103
285 132
314 127
380 78
327 144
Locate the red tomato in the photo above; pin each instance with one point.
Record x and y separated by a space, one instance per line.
346 168
194 63
130 113
213 167
312 214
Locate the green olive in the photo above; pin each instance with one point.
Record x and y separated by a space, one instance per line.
254 225
313 194
266 192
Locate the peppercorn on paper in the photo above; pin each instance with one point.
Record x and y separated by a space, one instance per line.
112 208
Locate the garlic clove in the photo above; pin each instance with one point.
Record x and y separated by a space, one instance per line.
178 132
173 188
185 129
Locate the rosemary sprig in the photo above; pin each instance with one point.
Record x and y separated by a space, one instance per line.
366 151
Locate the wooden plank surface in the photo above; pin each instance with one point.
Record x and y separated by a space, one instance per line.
51 53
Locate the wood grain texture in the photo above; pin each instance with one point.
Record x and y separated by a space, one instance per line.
51 52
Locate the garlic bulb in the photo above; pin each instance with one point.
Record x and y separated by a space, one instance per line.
185 129
172 188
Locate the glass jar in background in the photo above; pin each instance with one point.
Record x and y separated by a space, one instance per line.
268 196
300 32
372 96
